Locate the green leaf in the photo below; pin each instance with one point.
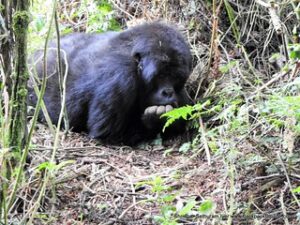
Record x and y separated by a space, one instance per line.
185 147
232 18
168 151
105 7
168 198
53 166
46 165
187 208
64 164
168 210
294 51
226 68
175 114
274 57
206 207
296 190
213 146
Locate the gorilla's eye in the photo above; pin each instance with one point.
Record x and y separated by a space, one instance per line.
179 86
137 56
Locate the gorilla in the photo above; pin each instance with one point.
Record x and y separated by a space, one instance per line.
119 83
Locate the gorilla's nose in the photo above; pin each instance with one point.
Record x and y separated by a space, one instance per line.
167 92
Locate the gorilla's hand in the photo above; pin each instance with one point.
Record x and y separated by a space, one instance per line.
151 117
157 110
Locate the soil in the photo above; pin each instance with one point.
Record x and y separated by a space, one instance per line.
102 184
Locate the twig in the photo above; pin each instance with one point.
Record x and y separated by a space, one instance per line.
285 218
130 207
275 19
288 179
262 3
122 10
273 14
205 143
130 180
61 76
231 194
280 75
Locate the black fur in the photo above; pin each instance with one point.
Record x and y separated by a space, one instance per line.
114 77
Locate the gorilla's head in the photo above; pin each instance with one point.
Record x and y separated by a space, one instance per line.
164 63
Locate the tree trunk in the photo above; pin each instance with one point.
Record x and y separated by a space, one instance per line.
19 76
14 21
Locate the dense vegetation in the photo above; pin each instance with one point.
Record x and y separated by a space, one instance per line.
238 165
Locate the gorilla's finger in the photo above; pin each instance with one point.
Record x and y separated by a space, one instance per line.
160 110
169 108
151 110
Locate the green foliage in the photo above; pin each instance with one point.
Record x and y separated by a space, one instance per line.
178 113
232 19
206 207
187 208
296 190
294 51
226 68
101 18
170 214
38 23
187 113
170 211
89 16
166 217
157 184
274 57
228 109
294 56
53 167
185 147
278 109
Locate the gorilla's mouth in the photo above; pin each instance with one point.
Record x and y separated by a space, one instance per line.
158 109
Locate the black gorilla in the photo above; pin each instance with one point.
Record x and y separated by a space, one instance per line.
119 84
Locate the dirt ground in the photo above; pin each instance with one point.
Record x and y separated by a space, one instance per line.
100 184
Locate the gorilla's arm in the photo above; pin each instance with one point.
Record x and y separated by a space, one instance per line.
112 109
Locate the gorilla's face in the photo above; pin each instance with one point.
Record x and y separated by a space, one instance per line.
164 71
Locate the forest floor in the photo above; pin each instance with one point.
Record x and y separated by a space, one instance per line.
101 184
109 184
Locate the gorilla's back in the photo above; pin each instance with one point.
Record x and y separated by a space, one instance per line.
79 54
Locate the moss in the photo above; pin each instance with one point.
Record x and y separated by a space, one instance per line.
26 75
21 20
23 92
1 7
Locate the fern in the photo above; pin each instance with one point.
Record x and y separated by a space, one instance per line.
178 113
187 113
